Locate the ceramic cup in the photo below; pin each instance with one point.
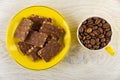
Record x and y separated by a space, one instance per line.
108 47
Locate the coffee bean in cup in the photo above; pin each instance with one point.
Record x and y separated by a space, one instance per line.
95 33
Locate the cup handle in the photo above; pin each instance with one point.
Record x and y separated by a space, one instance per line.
110 50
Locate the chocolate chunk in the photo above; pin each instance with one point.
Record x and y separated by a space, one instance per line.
50 50
52 30
24 47
38 21
36 38
33 53
23 29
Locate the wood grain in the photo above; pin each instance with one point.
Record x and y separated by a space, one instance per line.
79 64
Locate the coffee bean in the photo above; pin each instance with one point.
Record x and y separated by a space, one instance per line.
84 22
109 33
87 41
88 37
107 29
89 30
100 24
100 29
103 44
97 21
101 36
96 46
106 25
81 29
89 46
90 21
84 26
95 27
103 40
92 34
98 43
103 21
97 40
80 37
92 41
96 32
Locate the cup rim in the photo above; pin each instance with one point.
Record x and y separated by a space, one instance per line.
81 42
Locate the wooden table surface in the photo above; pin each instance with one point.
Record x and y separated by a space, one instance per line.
79 64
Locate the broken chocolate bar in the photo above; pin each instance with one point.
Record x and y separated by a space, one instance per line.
52 30
50 50
24 47
33 53
38 21
36 38
23 29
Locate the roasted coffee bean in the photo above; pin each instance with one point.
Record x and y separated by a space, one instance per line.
88 37
100 24
92 34
89 30
96 46
103 44
92 41
89 46
103 40
107 29
81 29
84 22
98 43
90 26
84 26
95 33
97 40
100 29
87 41
95 27
90 21
109 33
103 21
106 25
97 21
101 36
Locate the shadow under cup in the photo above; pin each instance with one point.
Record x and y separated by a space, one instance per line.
95 33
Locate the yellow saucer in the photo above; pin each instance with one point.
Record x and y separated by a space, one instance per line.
26 61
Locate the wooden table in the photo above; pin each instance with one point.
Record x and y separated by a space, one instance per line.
79 64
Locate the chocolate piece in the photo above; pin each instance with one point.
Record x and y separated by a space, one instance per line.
36 38
23 29
33 53
50 50
52 30
24 47
38 21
